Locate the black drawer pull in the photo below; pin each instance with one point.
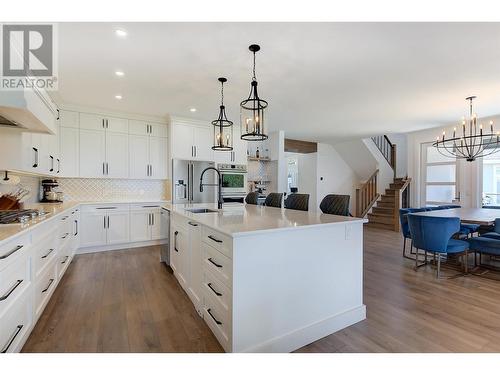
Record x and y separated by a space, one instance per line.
175 241
19 247
65 217
48 286
150 206
107 208
9 292
12 338
215 264
213 290
214 239
213 317
65 235
192 224
65 259
46 255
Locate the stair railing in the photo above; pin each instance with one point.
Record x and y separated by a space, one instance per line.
401 200
367 195
388 150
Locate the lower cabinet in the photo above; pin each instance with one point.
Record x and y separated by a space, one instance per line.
147 223
104 225
179 256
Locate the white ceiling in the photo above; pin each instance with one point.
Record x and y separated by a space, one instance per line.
323 81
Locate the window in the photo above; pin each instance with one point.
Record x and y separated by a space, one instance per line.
491 180
439 177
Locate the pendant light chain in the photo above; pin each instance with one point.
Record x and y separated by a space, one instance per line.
254 78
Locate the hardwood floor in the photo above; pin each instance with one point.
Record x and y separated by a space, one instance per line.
127 301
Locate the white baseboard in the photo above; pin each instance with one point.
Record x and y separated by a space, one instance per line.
308 334
121 246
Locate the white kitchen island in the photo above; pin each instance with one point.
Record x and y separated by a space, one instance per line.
267 279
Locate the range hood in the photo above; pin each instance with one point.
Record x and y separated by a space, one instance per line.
29 110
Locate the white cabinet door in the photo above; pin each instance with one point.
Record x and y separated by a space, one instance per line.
136 127
69 119
117 125
140 228
91 121
118 224
182 145
157 130
138 156
202 141
179 254
117 155
158 157
92 229
195 265
157 230
69 152
92 153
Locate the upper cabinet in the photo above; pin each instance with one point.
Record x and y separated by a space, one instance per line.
92 121
191 141
152 129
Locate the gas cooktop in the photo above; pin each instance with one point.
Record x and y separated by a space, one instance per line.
17 216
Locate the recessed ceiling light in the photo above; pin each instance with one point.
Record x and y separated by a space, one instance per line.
119 73
119 97
192 109
120 32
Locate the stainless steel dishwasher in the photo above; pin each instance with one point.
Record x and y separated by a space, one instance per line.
165 248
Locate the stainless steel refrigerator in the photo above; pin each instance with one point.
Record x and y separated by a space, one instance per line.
186 182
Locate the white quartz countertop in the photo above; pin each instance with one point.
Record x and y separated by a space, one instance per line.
241 219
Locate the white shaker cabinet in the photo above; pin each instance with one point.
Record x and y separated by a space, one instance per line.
137 127
91 121
117 155
104 225
92 153
69 151
148 157
117 227
192 142
92 229
146 223
158 157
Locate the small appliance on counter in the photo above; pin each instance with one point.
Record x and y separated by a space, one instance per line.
50 193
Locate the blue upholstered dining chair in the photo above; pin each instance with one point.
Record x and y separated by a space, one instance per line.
433 234
405 229
496 231
484 245
465 229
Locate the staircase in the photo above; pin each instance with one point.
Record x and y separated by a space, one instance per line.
385 212
384 207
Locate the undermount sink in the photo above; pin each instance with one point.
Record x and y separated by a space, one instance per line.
200 210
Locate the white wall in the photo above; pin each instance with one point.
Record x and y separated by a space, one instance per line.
334 176
401 142
307 169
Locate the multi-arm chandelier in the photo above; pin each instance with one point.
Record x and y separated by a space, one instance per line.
252 110
471 141
223 128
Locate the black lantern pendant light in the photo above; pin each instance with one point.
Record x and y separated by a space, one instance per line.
252 110
223 128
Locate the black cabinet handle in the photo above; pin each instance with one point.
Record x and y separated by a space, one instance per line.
35 165
58 165
65 235
51 163
213 290
103 169
76 228
65 259
214 239
48 286
192 224
12 338
175 241
213 317
46 255
215 264
6 255
106 208
12 288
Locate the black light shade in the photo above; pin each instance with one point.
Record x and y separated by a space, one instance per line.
223 128
252 110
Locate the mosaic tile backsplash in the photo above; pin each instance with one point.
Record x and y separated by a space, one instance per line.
106 189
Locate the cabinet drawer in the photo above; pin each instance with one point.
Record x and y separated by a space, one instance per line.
43 254
220 241
13 281
13 250
16 323
217 292
218 264
63 261
44 287
215 319
93 208
145 206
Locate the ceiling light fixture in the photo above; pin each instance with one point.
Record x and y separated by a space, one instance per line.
223 128
473 143
252 109
119 97
192 109
121 33
119 73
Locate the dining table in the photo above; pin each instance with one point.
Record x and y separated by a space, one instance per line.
481 216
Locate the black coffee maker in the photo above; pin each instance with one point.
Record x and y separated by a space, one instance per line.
50 193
